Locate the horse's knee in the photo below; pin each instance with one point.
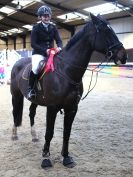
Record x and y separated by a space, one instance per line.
71 112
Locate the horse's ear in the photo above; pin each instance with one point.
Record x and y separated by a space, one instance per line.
97 19
102 19
94 19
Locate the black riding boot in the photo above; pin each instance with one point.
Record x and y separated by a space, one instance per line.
31 92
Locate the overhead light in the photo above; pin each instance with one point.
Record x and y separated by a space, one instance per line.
19 6
105 8
29 27
7 9
72 16
22 3
2 34
110 0
1 17
15 30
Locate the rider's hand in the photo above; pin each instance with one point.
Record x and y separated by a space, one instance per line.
47 51
58 49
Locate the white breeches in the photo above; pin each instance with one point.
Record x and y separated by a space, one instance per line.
36 58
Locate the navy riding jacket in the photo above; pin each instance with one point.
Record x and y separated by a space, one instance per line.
42 38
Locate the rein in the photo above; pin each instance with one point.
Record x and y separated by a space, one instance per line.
108 55
69 79
92 70
97 72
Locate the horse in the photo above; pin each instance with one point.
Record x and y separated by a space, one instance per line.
62 89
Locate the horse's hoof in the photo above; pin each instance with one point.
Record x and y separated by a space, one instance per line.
35 140
46 163
69 162
14 137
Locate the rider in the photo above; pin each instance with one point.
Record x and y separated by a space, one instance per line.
43 35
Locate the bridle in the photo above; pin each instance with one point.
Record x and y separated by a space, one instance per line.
108 56
109 51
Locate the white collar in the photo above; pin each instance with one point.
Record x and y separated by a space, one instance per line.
45 24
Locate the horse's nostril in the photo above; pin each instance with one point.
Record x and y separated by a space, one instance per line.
124 62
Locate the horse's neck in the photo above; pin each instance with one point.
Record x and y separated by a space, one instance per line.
78 57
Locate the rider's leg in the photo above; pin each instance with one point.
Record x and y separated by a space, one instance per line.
31 91
33 75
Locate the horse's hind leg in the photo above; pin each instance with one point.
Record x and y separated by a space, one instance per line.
17 102
50 121
32 114
68 120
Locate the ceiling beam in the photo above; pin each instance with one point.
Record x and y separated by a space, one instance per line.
129 12
2 29
14 19
5 39
8 25
15 7
28 13
11 26
5 4
22 35
69 28
114 18
58 6
22 22
117 3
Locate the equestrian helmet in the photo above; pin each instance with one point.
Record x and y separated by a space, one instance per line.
44 10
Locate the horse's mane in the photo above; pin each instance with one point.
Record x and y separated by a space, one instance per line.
77 36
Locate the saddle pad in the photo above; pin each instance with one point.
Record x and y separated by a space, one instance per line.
25 76
26 72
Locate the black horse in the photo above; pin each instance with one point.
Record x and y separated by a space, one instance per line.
63 88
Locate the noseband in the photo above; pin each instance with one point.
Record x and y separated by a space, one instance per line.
109 52
110 48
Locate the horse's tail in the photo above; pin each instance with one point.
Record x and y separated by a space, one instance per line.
17 102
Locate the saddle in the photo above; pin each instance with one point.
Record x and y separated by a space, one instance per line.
43 68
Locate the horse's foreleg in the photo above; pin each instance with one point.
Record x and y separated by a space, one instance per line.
32 114
50 121
68 120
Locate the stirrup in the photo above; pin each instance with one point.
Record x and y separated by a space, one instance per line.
31 94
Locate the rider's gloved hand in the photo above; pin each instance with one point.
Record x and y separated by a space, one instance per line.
58 49
47 51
